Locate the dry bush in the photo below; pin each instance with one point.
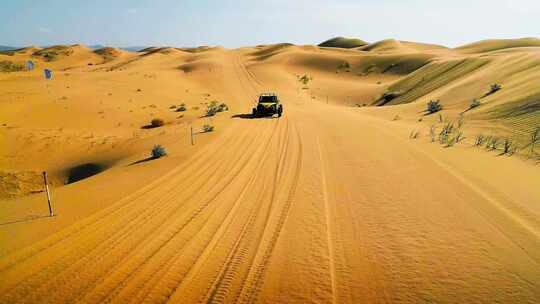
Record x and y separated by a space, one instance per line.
157 122
208 128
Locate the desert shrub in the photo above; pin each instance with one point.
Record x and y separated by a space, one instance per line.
305 79
223 107
212 109
433 106
475 103
494 88
397 117
440 118
208 128
181 108
157 122
172 107
158 151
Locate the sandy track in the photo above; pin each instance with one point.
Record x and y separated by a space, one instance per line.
321 205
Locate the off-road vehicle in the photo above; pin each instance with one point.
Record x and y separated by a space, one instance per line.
268 105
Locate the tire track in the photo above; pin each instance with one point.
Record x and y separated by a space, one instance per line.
77 252
250 158
329 229
251 291
219 296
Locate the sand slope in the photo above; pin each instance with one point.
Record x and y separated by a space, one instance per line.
331 203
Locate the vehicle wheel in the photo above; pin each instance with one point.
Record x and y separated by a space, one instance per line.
280 111
254 113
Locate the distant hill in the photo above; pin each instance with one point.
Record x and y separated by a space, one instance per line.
342 42
96 46
133 48
7 48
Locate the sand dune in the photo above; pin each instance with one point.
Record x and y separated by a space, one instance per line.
331 203
342 42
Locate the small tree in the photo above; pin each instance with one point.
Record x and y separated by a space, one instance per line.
433 106
158 151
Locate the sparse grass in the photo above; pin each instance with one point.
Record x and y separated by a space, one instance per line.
432 131
492 143
479 140
208 128
433 106
158 151
157 122
508 147
535 138
445 134
8 66
461 120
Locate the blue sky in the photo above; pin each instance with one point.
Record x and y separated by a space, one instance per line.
242 23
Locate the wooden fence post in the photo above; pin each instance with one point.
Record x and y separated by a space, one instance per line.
51 213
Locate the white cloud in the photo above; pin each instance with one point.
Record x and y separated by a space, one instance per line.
131 11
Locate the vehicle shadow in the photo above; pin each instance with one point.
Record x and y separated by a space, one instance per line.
243 116
250 116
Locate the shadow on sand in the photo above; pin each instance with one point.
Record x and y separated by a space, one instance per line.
26 219
250 116
143 160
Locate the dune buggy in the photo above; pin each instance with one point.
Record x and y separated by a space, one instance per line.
268 105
